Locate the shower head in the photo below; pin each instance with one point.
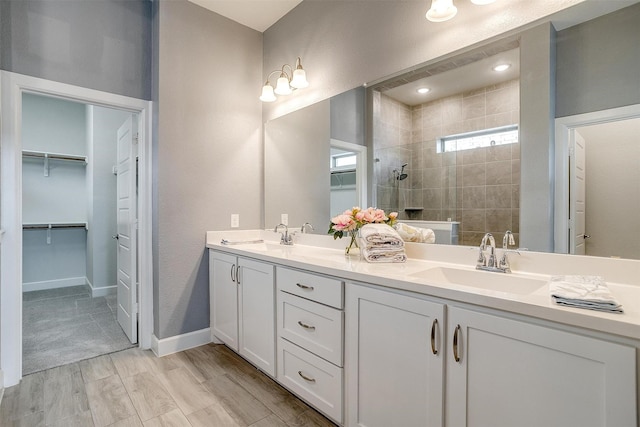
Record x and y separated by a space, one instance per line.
401 176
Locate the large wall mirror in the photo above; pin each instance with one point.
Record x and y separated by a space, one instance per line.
456 152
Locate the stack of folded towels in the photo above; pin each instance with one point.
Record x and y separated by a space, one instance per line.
590 292
415 234
381 243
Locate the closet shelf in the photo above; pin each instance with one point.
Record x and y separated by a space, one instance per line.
54 156
50 226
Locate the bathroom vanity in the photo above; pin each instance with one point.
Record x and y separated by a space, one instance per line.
429 342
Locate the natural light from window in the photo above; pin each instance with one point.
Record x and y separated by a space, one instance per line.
484 138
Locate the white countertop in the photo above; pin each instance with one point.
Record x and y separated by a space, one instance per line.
320 254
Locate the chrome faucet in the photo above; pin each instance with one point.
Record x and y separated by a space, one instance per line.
504 260
286 238
304 227
485 263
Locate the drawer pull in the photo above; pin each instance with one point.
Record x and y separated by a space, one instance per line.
305 287
304 325
306 378
456 356
434 325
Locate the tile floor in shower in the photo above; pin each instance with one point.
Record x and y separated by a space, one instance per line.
65 325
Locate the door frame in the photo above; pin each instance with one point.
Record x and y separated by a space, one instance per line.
564 128
12 86
361 167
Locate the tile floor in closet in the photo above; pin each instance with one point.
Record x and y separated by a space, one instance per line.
205 386
65 325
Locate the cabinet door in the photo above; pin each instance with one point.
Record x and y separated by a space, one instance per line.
512 373
223 298
394 375
257 314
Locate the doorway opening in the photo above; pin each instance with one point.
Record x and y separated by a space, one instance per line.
70 242
70 226
598 183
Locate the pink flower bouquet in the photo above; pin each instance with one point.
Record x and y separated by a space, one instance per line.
351 220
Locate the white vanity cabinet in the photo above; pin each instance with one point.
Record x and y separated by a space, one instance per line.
243 308
395 358
504 372
310 338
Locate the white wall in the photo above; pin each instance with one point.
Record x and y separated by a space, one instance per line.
53 125
613 188
101 195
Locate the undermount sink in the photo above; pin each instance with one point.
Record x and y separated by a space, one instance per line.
500 282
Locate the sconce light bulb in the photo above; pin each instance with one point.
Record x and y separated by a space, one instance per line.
267 93
441 10
299 80
282 86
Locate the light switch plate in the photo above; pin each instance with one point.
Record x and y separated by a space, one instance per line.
235 220
284 219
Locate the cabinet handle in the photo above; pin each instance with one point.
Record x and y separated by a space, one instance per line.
233 268
456 333
434 325
304 325
238 274
305 287
306 378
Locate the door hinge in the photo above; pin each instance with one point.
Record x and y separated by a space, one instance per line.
136 138
135 308
572 151
570 223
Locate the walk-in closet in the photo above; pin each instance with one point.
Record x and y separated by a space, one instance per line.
70 230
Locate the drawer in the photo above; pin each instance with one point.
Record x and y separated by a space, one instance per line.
312 326
315 380
318 288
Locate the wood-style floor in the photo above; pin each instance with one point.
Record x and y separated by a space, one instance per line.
205 386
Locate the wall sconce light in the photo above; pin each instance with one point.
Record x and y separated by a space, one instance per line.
286 83
443 10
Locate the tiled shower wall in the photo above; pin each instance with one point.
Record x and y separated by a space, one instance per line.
480 188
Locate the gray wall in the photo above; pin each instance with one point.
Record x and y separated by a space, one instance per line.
347 113
537 166
598 62
104 45
344 44
208 148
293 185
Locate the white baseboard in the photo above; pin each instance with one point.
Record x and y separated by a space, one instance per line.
180 342
1 385
52 284
103 291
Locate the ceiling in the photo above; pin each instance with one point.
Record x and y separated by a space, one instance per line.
256 14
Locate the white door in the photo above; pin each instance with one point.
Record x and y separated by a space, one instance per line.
577 190
503 373
127 230
396 359
256 317
223 298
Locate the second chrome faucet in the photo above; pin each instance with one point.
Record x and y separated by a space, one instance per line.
489 263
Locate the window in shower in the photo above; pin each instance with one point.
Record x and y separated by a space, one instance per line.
484 138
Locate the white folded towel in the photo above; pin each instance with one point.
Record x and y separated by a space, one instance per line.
383 255
590 292
415 234
380 235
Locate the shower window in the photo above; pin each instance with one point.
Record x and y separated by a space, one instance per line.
484 138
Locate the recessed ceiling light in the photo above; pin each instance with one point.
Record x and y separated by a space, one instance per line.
423 90
501 67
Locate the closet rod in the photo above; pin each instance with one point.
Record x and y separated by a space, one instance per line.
51 156
52 226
